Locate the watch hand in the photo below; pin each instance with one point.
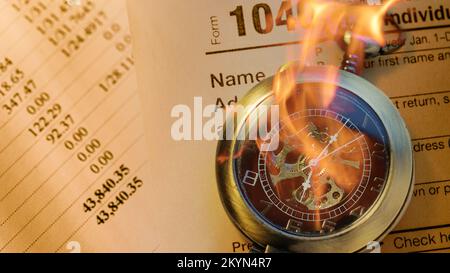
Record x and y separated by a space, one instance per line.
333 139
306 185
340 148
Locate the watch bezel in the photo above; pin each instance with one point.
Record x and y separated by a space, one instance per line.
375 223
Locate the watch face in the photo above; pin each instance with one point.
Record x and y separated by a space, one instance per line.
330 166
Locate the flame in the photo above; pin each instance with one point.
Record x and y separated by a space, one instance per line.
327 20
323 20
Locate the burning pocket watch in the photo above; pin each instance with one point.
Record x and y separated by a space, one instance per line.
337 176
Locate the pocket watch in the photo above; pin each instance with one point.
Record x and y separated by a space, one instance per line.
340 177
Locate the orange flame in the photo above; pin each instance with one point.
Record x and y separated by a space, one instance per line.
323 20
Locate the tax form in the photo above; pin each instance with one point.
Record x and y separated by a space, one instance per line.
72 171
218 50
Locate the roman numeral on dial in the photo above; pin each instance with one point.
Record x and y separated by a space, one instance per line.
294 225
379 182
358 211
379 151
328 226
268 206
250 178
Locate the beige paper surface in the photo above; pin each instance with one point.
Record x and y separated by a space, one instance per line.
72 170
181 45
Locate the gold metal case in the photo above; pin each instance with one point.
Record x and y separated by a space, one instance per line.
375 223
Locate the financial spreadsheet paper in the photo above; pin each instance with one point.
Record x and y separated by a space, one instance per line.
72 166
